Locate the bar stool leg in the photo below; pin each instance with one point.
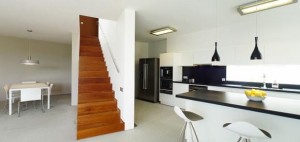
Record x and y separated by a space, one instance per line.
182 134
194 131
240 138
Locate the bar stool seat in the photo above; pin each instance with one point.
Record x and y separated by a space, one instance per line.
246 131
188 117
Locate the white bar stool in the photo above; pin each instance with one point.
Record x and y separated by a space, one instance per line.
188 117
246 131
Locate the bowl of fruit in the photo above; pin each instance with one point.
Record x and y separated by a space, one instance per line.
255 95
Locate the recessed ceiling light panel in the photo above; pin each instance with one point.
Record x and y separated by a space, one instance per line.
262 5
162 31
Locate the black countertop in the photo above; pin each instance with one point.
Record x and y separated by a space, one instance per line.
275 106
287 90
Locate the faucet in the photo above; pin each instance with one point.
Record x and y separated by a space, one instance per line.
264 81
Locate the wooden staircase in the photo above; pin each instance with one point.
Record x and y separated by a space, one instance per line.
97 107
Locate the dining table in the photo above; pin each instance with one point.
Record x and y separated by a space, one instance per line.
20 86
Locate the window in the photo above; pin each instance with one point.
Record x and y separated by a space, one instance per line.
282 74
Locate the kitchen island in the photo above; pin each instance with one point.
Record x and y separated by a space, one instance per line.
278 116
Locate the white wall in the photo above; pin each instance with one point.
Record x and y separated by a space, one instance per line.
278 32
118 44
157 47
54 67
75 66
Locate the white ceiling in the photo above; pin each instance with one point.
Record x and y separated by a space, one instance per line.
54 20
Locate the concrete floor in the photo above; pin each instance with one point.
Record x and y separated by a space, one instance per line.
155 123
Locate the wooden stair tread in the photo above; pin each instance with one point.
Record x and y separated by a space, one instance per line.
96 107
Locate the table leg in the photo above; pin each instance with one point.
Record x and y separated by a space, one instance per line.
48 98
10 103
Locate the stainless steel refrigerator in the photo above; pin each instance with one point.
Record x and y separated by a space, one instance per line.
148 79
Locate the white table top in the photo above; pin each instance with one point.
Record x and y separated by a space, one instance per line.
28 85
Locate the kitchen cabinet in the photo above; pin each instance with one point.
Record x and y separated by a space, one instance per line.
169 59
172 100
187 59
179 88
217 88
269 93
167 99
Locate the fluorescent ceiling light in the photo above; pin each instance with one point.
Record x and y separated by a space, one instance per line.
161 31
262 5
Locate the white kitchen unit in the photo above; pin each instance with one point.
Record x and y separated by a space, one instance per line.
170 99
282 129
217 88
269 93
179 88
187 59
166 99
169 59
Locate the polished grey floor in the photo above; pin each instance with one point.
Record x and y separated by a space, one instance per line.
155 123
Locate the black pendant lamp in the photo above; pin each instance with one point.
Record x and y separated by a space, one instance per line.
216 56
256 55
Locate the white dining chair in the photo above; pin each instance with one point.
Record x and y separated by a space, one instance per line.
45 91
15 95
29 82
30 94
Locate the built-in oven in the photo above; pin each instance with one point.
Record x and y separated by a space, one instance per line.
166 86
197 87
166 80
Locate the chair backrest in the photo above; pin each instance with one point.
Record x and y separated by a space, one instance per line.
31 94
179 112
29 82
6 89
247 129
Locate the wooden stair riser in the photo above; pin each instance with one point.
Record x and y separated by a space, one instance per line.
89 42
95 131
89 39
92 68
99 95
92 74
94 63
90 49
96 107
94 54
95 97
94 87
84 59
93 80
108 118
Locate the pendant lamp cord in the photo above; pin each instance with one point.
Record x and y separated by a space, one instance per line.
216 20
256 20
29 56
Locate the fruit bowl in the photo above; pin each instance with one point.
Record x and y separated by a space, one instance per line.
256 99
255 95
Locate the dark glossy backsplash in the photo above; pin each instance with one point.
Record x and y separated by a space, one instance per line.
205 74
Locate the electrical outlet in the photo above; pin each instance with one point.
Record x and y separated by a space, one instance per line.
223 79
121 89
